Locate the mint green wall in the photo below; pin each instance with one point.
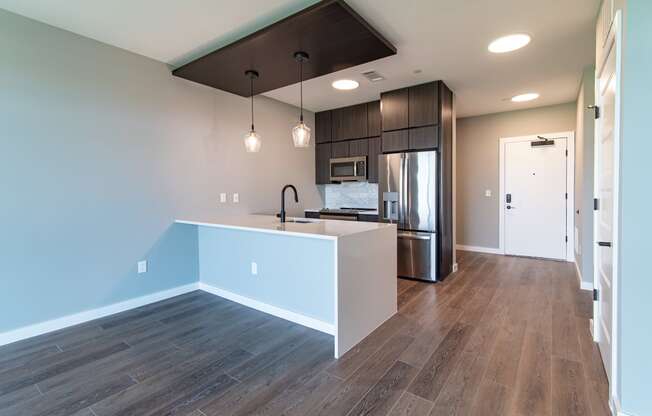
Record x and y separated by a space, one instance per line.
636 222
100 149
287 266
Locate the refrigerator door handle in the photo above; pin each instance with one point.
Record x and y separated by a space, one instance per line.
404 191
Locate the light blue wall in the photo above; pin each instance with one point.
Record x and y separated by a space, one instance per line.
304 265
636 221
85 194
100 150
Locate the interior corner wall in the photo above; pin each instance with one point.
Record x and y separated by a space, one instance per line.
100 150
584 165
635 285
477 161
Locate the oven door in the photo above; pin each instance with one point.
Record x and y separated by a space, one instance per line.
347 169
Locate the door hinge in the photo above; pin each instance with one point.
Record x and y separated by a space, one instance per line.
595 294
566 195
596 110
595 204
567 239
566 153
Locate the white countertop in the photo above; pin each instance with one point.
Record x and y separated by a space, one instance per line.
325 229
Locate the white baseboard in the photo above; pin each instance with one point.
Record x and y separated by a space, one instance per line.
489 250
81 317
583 285
270 309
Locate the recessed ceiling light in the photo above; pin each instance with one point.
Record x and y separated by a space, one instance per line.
525 97
509 43
345 84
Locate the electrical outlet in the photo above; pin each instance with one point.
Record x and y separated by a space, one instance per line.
142 267
487 193
254 268
223 197
236 198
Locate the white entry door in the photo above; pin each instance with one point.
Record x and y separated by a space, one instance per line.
605 191
535 197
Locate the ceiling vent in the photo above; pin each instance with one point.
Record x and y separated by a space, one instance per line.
373 76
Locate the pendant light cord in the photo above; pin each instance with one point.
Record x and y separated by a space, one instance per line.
301 87
252 103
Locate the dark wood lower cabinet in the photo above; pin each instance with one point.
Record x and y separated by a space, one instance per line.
395 141
322 163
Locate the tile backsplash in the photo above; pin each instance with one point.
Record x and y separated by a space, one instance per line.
351 194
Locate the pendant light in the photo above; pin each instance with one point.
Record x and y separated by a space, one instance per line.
301 132
252 140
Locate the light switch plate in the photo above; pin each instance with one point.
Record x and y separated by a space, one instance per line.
223 197
142 267
236 198
487 193
254 268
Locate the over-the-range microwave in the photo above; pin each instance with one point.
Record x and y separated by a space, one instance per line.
348 169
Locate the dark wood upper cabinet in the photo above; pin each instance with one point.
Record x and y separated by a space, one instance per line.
424 103
340 149
394 109
422 138
373 119
323 130
322 163
374 149
359 147
395 141
349 122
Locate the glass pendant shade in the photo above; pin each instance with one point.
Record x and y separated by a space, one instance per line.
252 142
301 132
301 135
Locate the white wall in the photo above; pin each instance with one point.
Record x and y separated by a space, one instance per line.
584 144
477 164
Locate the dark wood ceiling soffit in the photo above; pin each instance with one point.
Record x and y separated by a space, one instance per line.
332 33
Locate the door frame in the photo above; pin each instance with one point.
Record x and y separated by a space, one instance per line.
570 187
613 39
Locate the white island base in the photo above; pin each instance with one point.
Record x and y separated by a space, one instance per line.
337 277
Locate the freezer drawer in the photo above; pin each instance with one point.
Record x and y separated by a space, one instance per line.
417 255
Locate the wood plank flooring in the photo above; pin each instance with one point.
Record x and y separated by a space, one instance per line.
503 336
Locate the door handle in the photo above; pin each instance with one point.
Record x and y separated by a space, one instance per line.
604 243
510 207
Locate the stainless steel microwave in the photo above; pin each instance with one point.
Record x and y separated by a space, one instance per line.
348 169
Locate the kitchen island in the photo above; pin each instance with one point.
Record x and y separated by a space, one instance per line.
337 277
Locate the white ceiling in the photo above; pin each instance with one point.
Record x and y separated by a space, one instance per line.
445 39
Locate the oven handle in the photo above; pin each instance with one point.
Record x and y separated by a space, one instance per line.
411 236
338 217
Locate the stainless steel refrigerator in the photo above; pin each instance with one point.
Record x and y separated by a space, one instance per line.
407 196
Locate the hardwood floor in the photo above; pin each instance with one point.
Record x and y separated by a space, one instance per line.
503 336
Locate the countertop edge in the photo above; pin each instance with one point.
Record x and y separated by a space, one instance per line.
257 229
